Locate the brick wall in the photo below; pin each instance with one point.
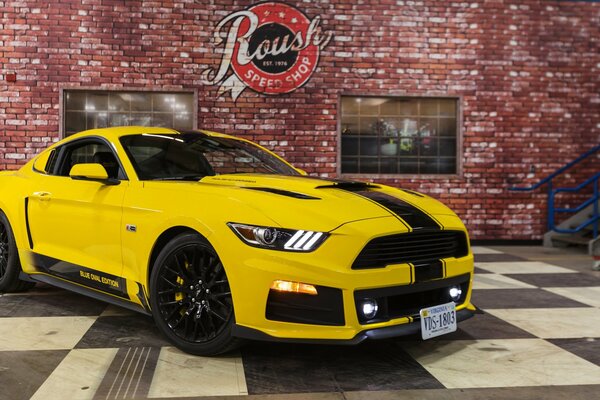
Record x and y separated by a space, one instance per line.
528 73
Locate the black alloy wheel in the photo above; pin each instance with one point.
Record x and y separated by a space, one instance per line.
10 266
190 297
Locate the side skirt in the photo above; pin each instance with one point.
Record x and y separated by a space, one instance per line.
51 280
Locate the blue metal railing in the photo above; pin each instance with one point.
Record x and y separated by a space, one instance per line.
552 192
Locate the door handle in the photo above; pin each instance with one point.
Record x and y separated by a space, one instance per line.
42 196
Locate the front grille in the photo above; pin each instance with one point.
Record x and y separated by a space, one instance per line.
418 247
408 300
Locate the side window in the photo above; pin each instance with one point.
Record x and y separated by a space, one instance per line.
90 152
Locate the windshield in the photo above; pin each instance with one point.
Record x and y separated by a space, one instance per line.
192 156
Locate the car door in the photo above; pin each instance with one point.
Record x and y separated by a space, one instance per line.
75 225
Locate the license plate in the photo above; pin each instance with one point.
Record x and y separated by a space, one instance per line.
438 320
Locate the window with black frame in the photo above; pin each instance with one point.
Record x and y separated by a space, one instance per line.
399 135
90 109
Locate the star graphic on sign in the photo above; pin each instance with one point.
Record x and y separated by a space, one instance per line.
294 20
281 14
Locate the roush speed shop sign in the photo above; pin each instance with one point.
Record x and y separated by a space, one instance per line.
271 48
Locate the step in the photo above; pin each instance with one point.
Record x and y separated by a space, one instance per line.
578 240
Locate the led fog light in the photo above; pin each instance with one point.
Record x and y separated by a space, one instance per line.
369 308
455 292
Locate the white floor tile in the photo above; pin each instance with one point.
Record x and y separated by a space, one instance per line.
522 267
484 250
178 374
78 376
497 281
553 323
503 363
585 295
42 333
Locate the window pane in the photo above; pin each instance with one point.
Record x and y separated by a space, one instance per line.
448 127
409 165
384 135
429 107
96 102
164 102
389 107
429 166
428 127
140 119
350 125
428 146
448 107
389 166
141 101
74 122
369 165
368 125
350 165
368 146
162 120
447 165
370 106
119 119
75 100
349 146
183 121
97 120
408 107
118 102
349 106
448 147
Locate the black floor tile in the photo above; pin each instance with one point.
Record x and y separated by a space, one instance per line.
586 348
122 331
497 258
23 372
50 305
520 298
481 271
279 368
557 280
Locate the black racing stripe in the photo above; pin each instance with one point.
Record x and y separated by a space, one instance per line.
412 215
112 284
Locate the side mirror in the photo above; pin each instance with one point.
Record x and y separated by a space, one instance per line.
301 171
92 172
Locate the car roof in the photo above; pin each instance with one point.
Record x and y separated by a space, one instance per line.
115 133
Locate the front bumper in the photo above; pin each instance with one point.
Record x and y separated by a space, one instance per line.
387 332
251 272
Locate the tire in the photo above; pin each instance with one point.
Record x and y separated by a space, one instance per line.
10 266
190 297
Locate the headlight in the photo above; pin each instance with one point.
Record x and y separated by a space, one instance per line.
278 238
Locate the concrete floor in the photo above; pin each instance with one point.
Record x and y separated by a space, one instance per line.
537 336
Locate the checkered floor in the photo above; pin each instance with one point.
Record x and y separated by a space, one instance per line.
539 326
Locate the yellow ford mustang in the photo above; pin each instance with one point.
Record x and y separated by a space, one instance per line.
221 240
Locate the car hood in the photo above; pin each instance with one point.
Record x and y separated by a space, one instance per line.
324 204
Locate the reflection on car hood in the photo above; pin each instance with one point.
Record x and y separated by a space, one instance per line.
325 204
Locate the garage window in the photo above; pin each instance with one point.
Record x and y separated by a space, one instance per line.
399 135
83 109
